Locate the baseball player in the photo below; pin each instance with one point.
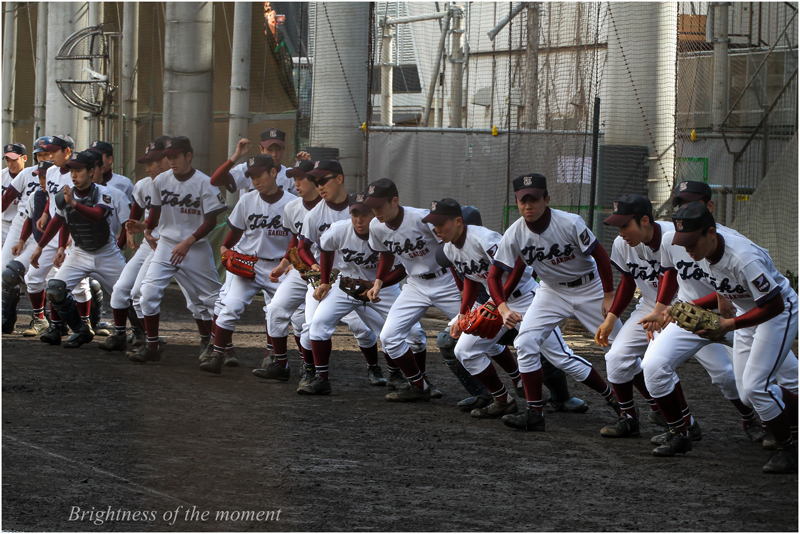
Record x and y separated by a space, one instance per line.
328 178
287 305
399 232
15 156
110 178
87 212
183 208
666 352
345 246
576 280
233 177
764 327
256 229
471 250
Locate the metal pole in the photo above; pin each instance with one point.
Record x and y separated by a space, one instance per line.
130 48
457 59
532 64
9 66
595 150
405 20
95 18
387 76
720 87
39 125
435 74
505 20
240 81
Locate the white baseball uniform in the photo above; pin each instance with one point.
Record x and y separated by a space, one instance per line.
472 261
24 184
245 184
355 259
747 277
315 224
11 212
414 243
570 285
122 183
185 205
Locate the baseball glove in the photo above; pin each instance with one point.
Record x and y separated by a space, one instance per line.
355 287
297 262
315 277
694 318
484 322
243 265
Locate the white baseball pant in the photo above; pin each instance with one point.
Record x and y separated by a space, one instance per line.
104 265
287 306
240 293
364 336
12 238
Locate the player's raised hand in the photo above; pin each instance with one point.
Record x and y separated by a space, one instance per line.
60 256
41 224
322 291
241 149
302 155
35 257
510 317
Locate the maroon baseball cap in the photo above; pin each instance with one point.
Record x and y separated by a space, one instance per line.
442 211
300 169
690 221
42 167
177 145
81 160
102 147
273 136
530 184
691 191
358 203
325 166
258 164
59 142
628 206
14 150
154 151
379 192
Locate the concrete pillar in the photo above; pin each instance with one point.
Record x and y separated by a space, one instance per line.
240 82
61 116
532 68
94 18
39 126
188 77
387 76
130 56
339 100
9 64
720 88
457 63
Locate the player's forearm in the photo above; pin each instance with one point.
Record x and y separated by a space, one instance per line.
394 277
304 250
63 236
326 258
459 281
603 268
760 314
708 302
514 277
27 229
667 287
53 227
233 237
385 264
94 214
136 212
292 244
469 295
122 240
496 290
222 176
9 197
205 228
154 217
624 295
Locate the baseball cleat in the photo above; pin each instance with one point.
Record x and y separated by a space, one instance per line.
474 403
316 386
146 354
694 432
614 403
52 335
783 460
495 410
81 337
624 427
573 405
519 390
103 329
37 327
138 338
529 420
768 443
115 342
230 358
308 375
675 443
272 371
207 352
435 393
205 341
375 376
395 380
410 393
213 364
657 418
754 430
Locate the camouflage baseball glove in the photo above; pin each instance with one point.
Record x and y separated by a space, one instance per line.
297 262
694 318
315 277
484 322
243 265
355 287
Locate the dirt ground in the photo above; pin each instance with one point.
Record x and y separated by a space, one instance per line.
87 431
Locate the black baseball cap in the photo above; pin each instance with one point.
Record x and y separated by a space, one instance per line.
81 160
626 207
177 145
102 147
325 166
14 150
42 167
154 151
442 211
273 136
300 169
690 221
379 192
530 184
692 191
59 142
357 203
258 164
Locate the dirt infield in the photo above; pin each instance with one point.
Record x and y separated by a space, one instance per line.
86 431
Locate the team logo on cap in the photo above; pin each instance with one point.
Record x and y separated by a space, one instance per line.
273 133
296 163
251 161
679 224
153 145
527 180
433 206
316 164
168 143
359 198
683 186
371 190
40 142
94 144
9 148
74 156
616 207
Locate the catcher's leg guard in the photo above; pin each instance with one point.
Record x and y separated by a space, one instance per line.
96 310
134 319
556 381
508 338
64 303
446 346
13 275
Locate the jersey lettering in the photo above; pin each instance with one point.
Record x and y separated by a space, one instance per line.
533 254
323 227
480 267
260 221
647 274
412 249
360 258
171 199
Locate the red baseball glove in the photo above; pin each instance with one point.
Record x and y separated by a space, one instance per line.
484 322
243 265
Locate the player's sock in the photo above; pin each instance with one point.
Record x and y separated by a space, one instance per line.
779 427
322 356
370 354
308 357
624 393
204 327
489 378
222 338
533 389
596 382
55 318
408 364
685 410
279 346
390 365
84 309
151 326
299 345
270 347
420 358
670 405
120 318
790 400
507 362
747 413
638 383
37 303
